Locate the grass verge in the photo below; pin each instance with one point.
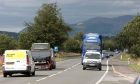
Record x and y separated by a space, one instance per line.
0 69
134 63
135 67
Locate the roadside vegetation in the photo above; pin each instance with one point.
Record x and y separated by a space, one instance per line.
134 62
129 40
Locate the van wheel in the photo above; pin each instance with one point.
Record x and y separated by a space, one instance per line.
28 74
4 75
100 68
10 75
33 74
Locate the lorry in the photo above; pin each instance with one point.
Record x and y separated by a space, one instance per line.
92 59
91 41
43 56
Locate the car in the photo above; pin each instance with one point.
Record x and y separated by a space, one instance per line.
137 81
18 61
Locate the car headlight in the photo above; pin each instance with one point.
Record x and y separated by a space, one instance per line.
84 61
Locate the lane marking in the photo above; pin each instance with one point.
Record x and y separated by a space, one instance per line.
131 79
104 74
58 72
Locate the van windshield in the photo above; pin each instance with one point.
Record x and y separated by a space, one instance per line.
92 56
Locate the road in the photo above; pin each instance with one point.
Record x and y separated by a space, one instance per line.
69 72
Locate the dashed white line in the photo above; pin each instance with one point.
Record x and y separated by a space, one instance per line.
104 74
57 73
52 75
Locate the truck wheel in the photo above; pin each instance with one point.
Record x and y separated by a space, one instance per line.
50 68
54 66
4 75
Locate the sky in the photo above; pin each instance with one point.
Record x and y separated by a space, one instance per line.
14 13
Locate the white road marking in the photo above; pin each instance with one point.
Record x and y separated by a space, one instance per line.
104 74
58 73
28 83
131 79
52 75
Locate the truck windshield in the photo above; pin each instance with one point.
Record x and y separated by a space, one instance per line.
92 56
90 46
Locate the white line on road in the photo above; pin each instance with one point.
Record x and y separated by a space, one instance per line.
58 72
104 74
131 79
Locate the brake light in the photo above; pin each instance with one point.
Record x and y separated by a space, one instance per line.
27 59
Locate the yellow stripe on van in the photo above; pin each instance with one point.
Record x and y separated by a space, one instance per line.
16 55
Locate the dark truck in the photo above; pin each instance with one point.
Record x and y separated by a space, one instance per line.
43 56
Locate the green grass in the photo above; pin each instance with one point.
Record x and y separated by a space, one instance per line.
135 67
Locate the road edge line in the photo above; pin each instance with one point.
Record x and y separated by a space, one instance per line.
100 80
121 74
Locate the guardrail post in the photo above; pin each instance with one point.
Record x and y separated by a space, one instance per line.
128 60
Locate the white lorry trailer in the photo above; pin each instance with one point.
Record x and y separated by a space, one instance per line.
92 59
43 56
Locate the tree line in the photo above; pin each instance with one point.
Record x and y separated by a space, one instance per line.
49 26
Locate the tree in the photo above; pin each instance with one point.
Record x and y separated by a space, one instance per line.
130 36
6 43
48 26
79 36
72 45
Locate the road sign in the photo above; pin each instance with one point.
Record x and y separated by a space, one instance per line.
56 49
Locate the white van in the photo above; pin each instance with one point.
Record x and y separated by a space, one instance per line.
18 61
92 59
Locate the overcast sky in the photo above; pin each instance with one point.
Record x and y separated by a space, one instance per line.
14 13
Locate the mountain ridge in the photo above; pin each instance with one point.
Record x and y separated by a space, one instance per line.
102 25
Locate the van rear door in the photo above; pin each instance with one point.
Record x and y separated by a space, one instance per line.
15 60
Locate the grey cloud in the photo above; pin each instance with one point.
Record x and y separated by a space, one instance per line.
72 10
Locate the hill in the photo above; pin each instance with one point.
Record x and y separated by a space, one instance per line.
102 25
12 34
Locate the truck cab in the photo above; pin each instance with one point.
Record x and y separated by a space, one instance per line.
92 59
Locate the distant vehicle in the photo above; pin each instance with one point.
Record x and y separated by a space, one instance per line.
92 59
18 61
104 55
43 56
91 41
137 81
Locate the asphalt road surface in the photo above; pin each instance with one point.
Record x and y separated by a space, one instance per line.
68 72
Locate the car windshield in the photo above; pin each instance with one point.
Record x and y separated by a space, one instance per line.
92 56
